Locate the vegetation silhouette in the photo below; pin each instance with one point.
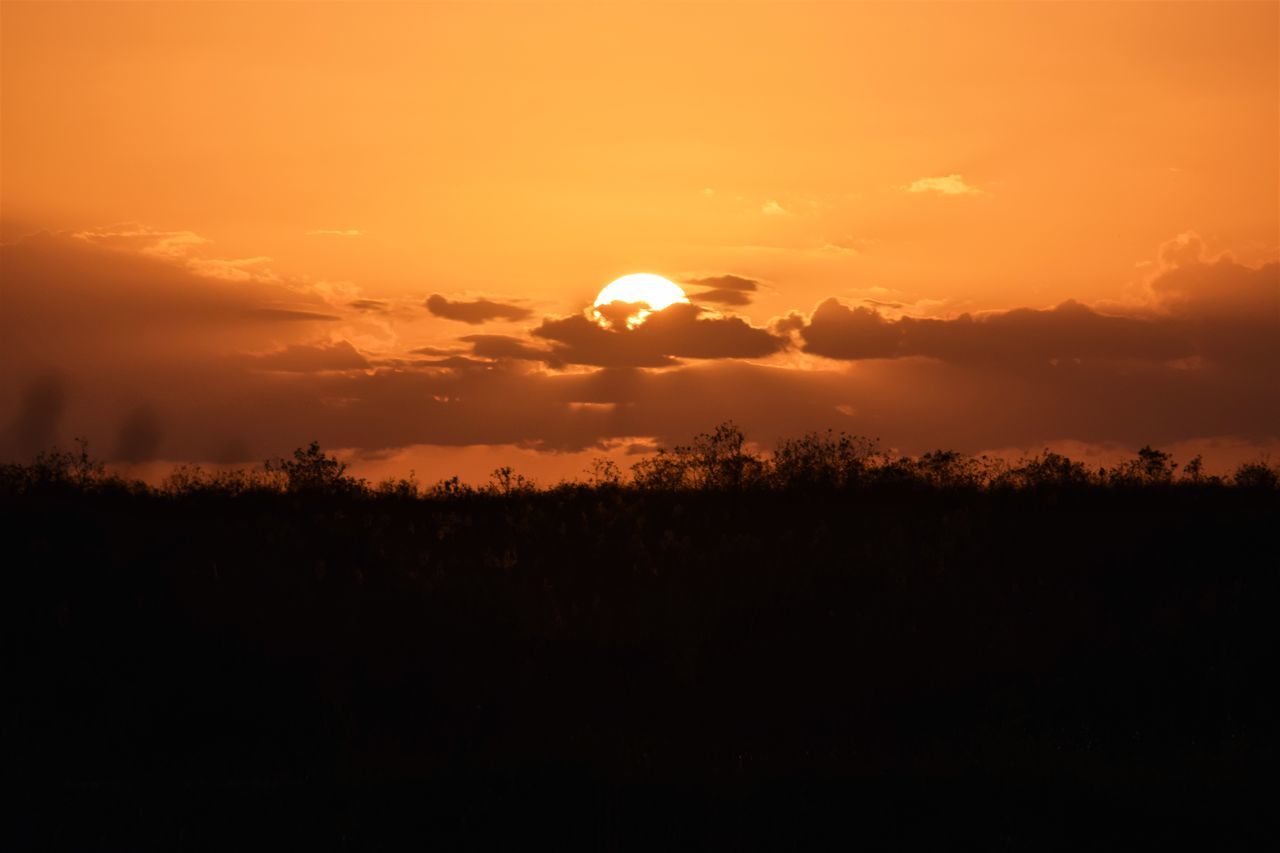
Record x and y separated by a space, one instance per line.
723 648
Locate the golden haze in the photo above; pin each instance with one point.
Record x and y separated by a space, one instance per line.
379 225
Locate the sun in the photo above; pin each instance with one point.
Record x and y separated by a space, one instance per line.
654 291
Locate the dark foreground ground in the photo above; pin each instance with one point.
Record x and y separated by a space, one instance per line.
1038 669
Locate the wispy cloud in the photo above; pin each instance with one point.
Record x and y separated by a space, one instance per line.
181 248
772 208
944 185
235 269
169 245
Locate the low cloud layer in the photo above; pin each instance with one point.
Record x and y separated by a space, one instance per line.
66 297
131 348
1070 331
509 347
1220 312
310 358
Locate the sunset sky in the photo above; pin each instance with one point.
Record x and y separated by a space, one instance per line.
229 229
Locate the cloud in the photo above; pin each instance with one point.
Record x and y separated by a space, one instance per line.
1201 358
514 403
288 315
1069 331
113 327
236 269
434 351
144 358
474 312
309 358
725 282
1187 248
137 238
722 296
131 299
723 289
772 208
1231 311
506 346
848 245
373 305
334 232
944 185
178 247
458 362
914 404
677 331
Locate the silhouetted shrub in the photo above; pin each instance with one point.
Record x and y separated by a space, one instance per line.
823 461
1047 470
714 461
950 469
399 487
194 480
56 469
1256 475
665 470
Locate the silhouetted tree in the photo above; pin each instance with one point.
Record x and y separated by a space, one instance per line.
603 472
312 471
1152 467
1193 472
505 481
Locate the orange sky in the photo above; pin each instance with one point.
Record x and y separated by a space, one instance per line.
348 160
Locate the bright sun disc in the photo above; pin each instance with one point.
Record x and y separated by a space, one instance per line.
653 290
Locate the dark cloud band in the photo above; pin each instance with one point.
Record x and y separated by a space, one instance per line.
475 312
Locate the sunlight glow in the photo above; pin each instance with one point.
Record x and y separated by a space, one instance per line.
654 291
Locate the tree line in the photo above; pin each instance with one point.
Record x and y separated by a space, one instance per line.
719 460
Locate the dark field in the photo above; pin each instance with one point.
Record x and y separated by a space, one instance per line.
739 659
